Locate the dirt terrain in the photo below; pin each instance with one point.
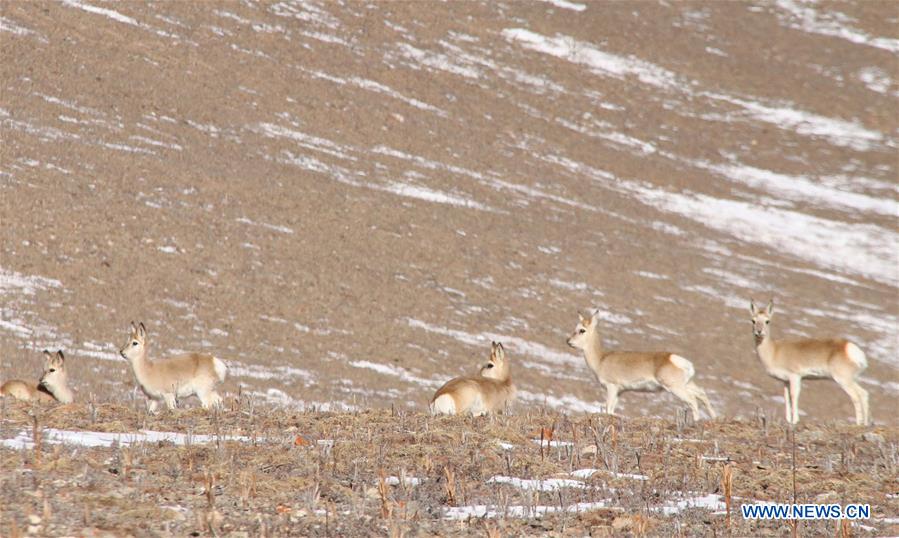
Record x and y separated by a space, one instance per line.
348 201
308 190
256 472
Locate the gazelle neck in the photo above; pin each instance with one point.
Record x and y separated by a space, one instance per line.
764 346
61 392
506 378
141 364
593 348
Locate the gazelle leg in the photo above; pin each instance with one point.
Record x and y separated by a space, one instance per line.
859 397
214 399
695 389
787 403
209 398
611 398
795 387
170 401
852 391
685 394
152 406
866 413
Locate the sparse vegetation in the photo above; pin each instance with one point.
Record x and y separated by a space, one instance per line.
403 474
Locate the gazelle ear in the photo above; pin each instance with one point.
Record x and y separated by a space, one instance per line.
770 308
47 355
752 308
141 330
60 356
133 329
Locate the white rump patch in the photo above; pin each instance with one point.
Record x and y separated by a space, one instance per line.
684 365
856 355
221 370
443 405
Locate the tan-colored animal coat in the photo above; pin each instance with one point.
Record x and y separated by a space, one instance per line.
488 392
168 379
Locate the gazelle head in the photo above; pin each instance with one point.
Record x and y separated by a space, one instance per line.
54 371
761 319
498 366
136 343
585 329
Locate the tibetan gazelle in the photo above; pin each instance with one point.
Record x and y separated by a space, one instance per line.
485 393
621 371
180 376
53 386
790 361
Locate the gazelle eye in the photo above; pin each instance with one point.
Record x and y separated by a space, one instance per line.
767 321
582 331
134 343
52 370
490 365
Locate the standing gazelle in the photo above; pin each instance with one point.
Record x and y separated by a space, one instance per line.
485 393
790 361
621 371
167 379
53 386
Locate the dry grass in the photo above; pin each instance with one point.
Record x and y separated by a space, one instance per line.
289 483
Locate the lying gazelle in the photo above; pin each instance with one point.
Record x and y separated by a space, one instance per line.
52 387
621 371
485 393
180 376
790 361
